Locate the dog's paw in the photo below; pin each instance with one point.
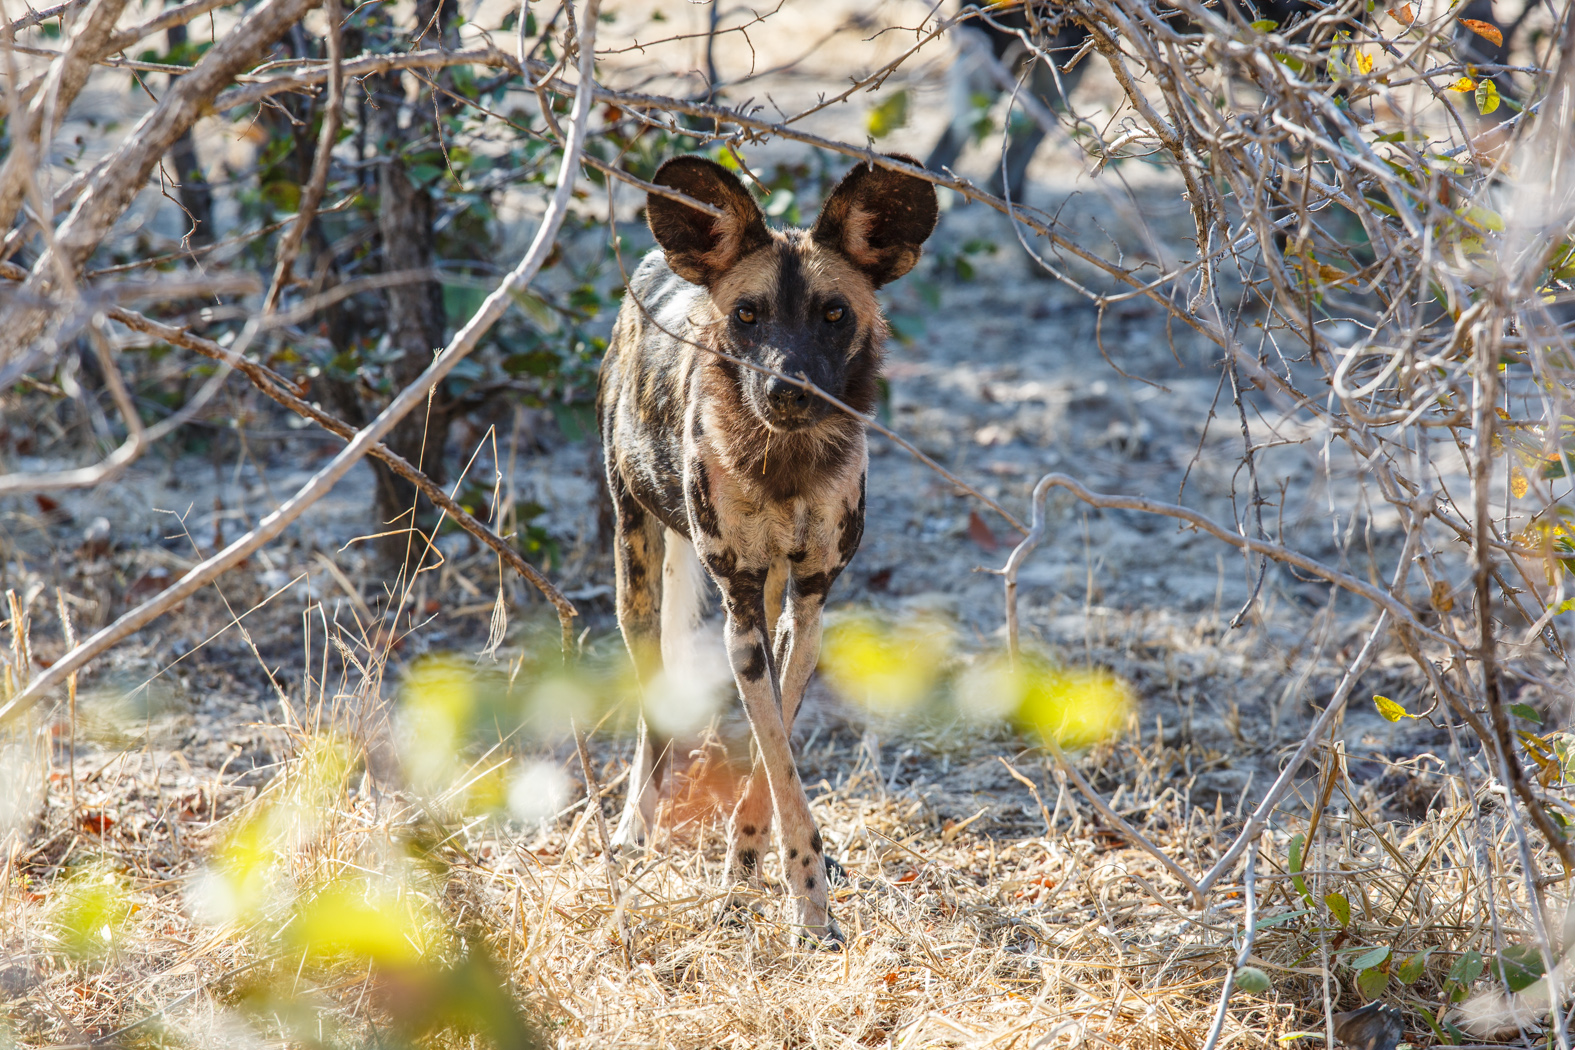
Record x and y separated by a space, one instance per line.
827 938
627 837
739 912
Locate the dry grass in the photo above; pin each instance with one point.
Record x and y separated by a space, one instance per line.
1031 924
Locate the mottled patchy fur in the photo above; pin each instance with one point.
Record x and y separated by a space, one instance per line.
765 480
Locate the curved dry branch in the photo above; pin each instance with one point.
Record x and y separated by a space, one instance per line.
280 389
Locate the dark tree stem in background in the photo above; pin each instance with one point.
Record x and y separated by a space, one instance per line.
415 317
195 195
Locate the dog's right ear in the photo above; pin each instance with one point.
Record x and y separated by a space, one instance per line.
700 247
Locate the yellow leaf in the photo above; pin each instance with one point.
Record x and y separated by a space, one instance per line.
1485 30
1322 271
1076 707
1443 601
1487 97
1463 84
888 116
1364 62
1543 754
1518 484
1391 711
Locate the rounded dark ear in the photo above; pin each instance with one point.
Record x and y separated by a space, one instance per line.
700 247
878 219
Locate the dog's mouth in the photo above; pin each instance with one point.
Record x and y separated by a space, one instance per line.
779 423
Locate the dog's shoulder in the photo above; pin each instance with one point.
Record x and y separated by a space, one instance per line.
657 294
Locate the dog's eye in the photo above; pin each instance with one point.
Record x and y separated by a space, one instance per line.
745 314
835 314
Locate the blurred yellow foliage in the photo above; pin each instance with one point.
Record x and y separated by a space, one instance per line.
1074 707
90 909
356 920
1071 707
883 666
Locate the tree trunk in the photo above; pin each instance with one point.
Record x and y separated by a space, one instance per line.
195 195
415 317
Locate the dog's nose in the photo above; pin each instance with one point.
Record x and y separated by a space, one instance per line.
786 398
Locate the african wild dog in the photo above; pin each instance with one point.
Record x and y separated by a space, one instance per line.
712 463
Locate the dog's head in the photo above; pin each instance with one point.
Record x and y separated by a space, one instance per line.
801 302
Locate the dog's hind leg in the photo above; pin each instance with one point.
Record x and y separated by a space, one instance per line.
683 593
638 573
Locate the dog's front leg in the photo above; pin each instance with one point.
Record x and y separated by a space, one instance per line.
831 535
749 653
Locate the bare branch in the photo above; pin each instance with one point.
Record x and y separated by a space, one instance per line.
117 182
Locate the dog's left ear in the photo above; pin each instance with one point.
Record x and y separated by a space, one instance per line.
878 219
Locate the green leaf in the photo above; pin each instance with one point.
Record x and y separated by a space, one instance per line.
1391 711
1252 980
1411 970
585 298
1525 711
1487 96
1519 966
1467 968
888 115
1339 907
461 301
906 327
781 201
1446 1033
1371 983
1276 920
1293 63
1370 958
1265 25
539 363
285 196
576 422
1294 866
